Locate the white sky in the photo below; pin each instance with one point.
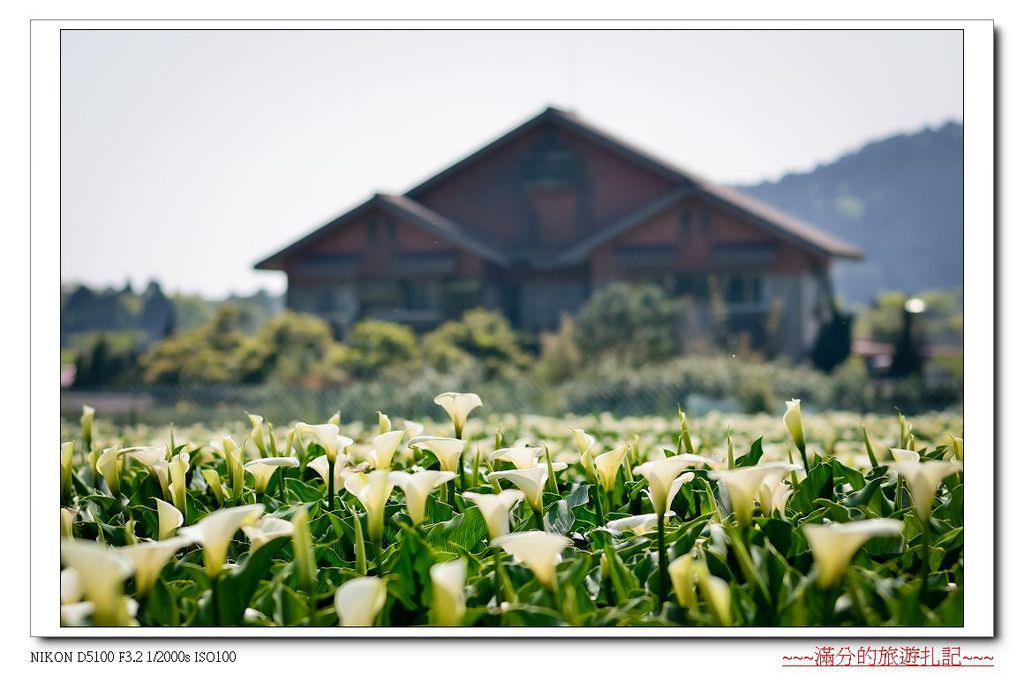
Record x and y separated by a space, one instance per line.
189 155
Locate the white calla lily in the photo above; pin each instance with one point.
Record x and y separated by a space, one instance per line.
923 479
458 406
266 529
342 468
743 485
586 444
773 495
147 456
794 422
530 481
109 466
149 558
359 601
262 469
384 448
326 436
538 550
682 572
67 521
212 480
67 455
448 583
607 466
215 531
641 524
412 428
169 519
833 545
522 457
904 455
447 450
661 474
256 433
372 490
70 587
101 572
417 486
495 509
177 470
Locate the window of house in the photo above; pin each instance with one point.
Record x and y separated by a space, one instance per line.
744 289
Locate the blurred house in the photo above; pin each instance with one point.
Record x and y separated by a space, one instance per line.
535 220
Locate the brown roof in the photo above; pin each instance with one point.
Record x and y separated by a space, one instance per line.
778 222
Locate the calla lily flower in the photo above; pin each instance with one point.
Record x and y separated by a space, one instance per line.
523 457
67 454
641 524
67 521
109 466
661 474
773 495
262 469
302 546
538 550
717 593
266 529
923 479
147 456
795 425
833 545
372 490
78 614
530 481
383 422
233 460
169 518
214 533
384 448
101 572
326 436
212 480
904 455
417 486
412 428
149 558
743 485
88 413
607 466
448 582
342 470
171 476
495 509
458 406
683 575
447 450
586 444
359 601
257 434
70 588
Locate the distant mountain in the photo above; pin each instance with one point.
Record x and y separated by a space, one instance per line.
900 199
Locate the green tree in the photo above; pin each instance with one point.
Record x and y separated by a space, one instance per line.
373 347
208 354
292 348
634 323
481 336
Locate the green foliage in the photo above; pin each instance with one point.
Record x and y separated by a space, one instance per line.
632 323
483 336
832 344
209 354
372 346
294 349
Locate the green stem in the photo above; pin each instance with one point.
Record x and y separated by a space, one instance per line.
662 563
538 518
330 484
598 494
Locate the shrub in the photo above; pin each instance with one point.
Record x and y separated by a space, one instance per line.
633 323
373 346
481 335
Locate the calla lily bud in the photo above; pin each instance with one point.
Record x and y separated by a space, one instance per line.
67 454
957 444
417 486
834 545
214 533
607 466
538 550
233 460
101 572
302 545
149 558
335 419
359 601
773 495
109 466
530 481
681 572
257 434
904 455
372 490
266 529
88 413
383 423
212 480
177 469
923 479
743 485
795 425
586 444
458 406
495 509
263 469
662 474
169 518
67 521
385 445
447 450
638 525
522 457
448 581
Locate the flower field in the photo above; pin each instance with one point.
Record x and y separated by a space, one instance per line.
799 519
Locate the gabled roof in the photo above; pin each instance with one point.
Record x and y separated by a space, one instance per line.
688 183
401 206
